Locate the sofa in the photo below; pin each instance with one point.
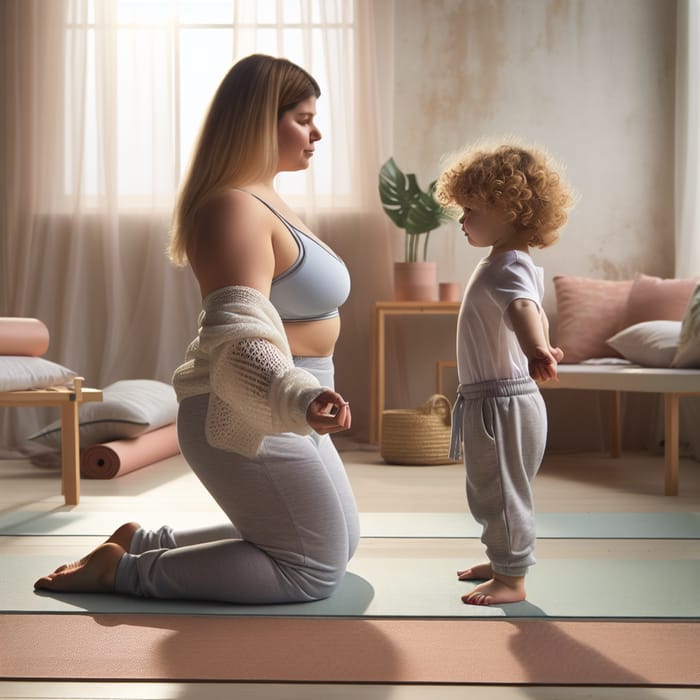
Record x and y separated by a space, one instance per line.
638 335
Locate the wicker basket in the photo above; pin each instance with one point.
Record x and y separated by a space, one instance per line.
418 436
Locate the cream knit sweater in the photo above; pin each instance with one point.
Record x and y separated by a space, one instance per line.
241 358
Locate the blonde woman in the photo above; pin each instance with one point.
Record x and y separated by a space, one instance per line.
257 403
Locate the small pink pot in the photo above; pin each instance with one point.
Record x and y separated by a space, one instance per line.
450 291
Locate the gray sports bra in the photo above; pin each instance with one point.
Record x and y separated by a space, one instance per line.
315 285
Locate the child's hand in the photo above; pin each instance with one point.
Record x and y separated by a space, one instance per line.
543 363
557 354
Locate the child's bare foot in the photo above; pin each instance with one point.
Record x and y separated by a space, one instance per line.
121 536
500 589
95 573
478 572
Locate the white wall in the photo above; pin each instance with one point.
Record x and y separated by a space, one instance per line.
590 80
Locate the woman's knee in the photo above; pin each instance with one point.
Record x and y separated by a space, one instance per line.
353 542
316 583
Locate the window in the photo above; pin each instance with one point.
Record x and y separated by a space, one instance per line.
140 75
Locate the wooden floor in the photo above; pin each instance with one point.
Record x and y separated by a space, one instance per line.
566 483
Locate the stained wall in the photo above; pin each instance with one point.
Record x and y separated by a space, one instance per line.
590 80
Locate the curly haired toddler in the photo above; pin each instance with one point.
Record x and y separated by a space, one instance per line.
512 199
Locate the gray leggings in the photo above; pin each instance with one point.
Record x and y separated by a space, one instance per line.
504 429
292 520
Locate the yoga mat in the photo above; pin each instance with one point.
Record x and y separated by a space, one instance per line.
531 652
119 457
411 587
547 525
23 336
376 525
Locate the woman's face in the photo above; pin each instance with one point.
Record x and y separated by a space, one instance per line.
484 227
296 136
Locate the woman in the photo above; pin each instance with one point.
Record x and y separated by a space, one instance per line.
256 394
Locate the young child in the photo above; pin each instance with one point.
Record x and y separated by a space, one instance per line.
513 199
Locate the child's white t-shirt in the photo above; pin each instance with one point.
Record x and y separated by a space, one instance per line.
487 347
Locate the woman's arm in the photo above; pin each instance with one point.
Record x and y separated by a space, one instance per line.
234 248
233 245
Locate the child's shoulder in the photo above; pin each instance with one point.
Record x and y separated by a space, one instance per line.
511 269
510 261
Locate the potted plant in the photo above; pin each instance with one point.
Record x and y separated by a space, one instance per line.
417 213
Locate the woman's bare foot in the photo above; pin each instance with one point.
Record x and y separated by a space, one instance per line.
478 572
95 573
124 534
496 591
121 536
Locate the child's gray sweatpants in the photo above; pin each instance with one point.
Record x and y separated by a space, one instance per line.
292 520
503 426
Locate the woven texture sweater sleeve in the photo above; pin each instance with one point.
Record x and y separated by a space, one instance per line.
242 359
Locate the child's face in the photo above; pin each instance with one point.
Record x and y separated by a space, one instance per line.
484 227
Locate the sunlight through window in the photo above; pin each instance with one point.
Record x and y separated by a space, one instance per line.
152 66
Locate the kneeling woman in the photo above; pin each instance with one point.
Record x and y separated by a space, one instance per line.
257 402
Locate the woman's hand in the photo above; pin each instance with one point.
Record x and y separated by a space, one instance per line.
328 413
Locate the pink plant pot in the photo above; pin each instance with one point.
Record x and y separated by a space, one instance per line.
415 281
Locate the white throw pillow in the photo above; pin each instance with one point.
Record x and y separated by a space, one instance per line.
129 408
18 373
688 354
650 343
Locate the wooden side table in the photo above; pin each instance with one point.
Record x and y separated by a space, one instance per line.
440 366
68 400
377 362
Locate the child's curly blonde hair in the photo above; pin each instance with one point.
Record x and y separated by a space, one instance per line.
521 183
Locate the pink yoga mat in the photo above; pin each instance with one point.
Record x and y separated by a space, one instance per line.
119 457
239 649
23 336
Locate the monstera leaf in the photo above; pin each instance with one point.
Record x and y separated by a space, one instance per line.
409 207
426 213
397 192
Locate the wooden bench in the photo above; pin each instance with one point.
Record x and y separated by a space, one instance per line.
68 400
672 383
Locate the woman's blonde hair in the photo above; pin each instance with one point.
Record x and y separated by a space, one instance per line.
237 143
523 184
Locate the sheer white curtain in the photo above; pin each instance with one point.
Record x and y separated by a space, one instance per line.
687 200
687 203
101 103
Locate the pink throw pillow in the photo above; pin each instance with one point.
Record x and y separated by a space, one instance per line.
688 354
656 299
589 311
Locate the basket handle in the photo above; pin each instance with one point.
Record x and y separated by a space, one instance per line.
439 405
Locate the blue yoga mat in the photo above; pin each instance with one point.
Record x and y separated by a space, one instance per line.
548 525
413 587
405 525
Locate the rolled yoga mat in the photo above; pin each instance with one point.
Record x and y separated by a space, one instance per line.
119 457
23 336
